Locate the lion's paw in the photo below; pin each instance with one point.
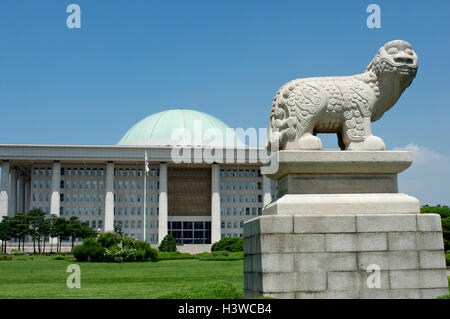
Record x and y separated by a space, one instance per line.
370 143
306 142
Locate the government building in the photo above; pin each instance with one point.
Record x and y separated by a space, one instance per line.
196 189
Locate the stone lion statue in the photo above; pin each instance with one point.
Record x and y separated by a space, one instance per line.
345 105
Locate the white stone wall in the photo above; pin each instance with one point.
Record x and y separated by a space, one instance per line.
327 257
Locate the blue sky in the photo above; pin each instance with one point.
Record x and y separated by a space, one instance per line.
227 58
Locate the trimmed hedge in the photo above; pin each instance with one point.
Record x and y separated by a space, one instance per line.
221 256
229 244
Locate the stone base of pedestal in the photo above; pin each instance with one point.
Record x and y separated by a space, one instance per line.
335 256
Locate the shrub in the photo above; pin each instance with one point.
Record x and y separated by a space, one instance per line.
145 252
15 252
447 257
212 290
214 256
168 244
109 239
128 242
81 252
90 250
126 250
229 244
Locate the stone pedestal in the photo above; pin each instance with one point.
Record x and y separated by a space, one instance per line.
340 230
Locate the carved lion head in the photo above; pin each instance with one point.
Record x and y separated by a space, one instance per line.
395 57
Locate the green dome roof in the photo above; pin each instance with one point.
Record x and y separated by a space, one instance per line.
171 127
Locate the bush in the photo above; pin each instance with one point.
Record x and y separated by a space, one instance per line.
220 256
174 255
144 252
15 252
109 239
447 257
126 250
128 242
168 244
229 244
90 250
81 253
212 290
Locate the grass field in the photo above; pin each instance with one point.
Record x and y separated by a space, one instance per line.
44 277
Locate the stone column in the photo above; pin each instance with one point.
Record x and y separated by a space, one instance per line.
163 206
55 200
56 183
4 190
13 193
215 204
27 193
21 195
267 199
109 198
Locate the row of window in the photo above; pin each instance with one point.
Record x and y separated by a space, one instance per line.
240 173
241 211
234 223
234 185
134 172
135 210
135 224
69 184
42 197
132 185
240 199
154 198
138 172
69 171
94 211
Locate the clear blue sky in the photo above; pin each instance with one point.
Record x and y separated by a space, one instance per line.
226 58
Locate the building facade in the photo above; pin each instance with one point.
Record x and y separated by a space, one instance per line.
198 201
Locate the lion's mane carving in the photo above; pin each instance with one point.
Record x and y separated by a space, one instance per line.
345 105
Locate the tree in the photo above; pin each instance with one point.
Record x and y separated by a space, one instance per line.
36 217
61 231
74 229
6 232
52 230
168 244
44 231
86 231
20 226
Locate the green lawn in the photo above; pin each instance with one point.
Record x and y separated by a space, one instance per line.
44 277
